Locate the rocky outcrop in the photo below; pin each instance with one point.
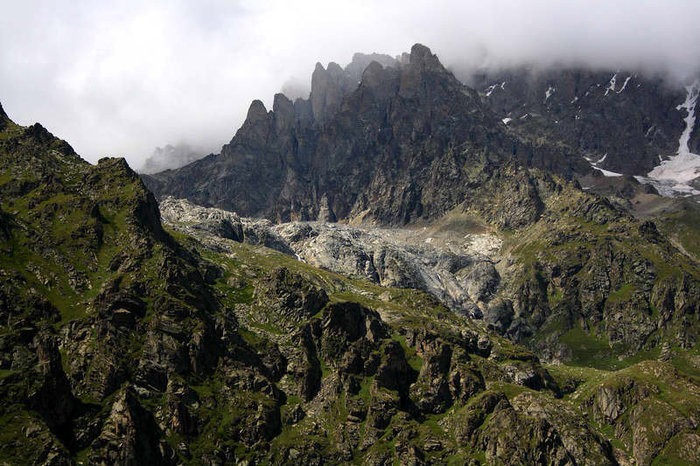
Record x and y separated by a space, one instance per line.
213 221
644 421
130 435
461 275
328 90
360 62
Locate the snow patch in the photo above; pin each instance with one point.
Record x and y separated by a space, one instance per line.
602 159
679 170
608 173
595 164
611 84
689 106
548 93
624 85
491 88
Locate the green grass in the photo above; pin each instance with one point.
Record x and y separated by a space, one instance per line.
511 390
365 388
5 373
580 378
325 369
587 350
622 295
590 351
555 298
688 363
412 357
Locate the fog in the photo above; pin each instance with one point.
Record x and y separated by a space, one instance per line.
124 78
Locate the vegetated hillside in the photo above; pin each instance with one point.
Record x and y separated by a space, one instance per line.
122 342
624 405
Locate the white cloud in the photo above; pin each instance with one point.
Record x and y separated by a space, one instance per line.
125 77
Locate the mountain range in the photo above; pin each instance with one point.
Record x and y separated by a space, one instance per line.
402 268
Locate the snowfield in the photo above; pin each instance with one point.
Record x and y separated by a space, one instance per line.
672 177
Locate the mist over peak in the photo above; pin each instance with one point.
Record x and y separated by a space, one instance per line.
122 78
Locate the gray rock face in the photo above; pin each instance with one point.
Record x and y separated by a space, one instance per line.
481 281
620 119
328 88
460 274
213 221
196 220
408 142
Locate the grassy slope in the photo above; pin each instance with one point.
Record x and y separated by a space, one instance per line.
406 309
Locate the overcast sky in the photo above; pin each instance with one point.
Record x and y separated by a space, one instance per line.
119 78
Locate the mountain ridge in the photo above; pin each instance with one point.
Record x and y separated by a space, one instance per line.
581 129
394 130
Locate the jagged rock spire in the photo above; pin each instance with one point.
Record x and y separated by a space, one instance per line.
256 112
328 88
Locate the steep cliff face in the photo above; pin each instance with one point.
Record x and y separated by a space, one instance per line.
625 117
622 123
405 140
408 142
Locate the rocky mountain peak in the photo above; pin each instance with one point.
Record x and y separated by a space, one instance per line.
328 88
425 74
422 56
398 117
382 81
335 69
256 112
360 61
283 111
